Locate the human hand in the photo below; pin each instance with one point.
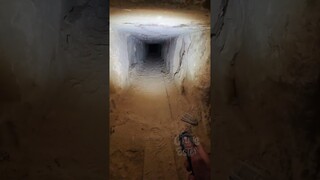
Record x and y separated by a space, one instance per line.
200 164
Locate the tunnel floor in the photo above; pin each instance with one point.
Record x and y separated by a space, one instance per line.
144 122
153 66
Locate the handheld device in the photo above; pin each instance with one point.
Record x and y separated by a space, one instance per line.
186 137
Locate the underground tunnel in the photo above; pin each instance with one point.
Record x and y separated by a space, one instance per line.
159 71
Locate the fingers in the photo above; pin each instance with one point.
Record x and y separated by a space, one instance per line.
204 156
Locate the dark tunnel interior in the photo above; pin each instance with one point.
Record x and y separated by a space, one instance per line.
153 53
154 50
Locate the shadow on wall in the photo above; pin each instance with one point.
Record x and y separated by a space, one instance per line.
31 73
266 100
10 91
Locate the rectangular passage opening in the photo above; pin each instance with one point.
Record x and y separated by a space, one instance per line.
154 53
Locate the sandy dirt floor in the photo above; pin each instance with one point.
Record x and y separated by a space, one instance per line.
145 119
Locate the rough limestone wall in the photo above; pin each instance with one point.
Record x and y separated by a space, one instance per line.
194 79
29 61
29 39
266 89
167 53
30 71
119 60
136 50
188 57
125 51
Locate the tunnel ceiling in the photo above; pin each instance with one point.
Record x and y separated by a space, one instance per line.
157 25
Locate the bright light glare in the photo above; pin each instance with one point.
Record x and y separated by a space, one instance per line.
150 25
149 17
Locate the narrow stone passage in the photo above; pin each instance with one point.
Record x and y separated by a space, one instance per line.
143 125
159 71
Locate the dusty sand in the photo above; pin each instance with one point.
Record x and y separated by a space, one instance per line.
145 119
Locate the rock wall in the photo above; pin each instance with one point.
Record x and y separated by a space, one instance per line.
119 62
137 50
167 53
29 44
188 61
40 135
29 53
187 58
266 89
126 51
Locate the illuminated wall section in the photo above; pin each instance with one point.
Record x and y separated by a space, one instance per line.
184 37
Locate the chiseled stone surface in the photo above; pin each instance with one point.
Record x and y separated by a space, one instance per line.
53 101
266 88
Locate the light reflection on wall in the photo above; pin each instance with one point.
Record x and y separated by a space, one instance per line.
189 30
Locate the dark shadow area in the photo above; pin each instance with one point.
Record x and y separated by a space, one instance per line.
154 53
154 50
45 126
